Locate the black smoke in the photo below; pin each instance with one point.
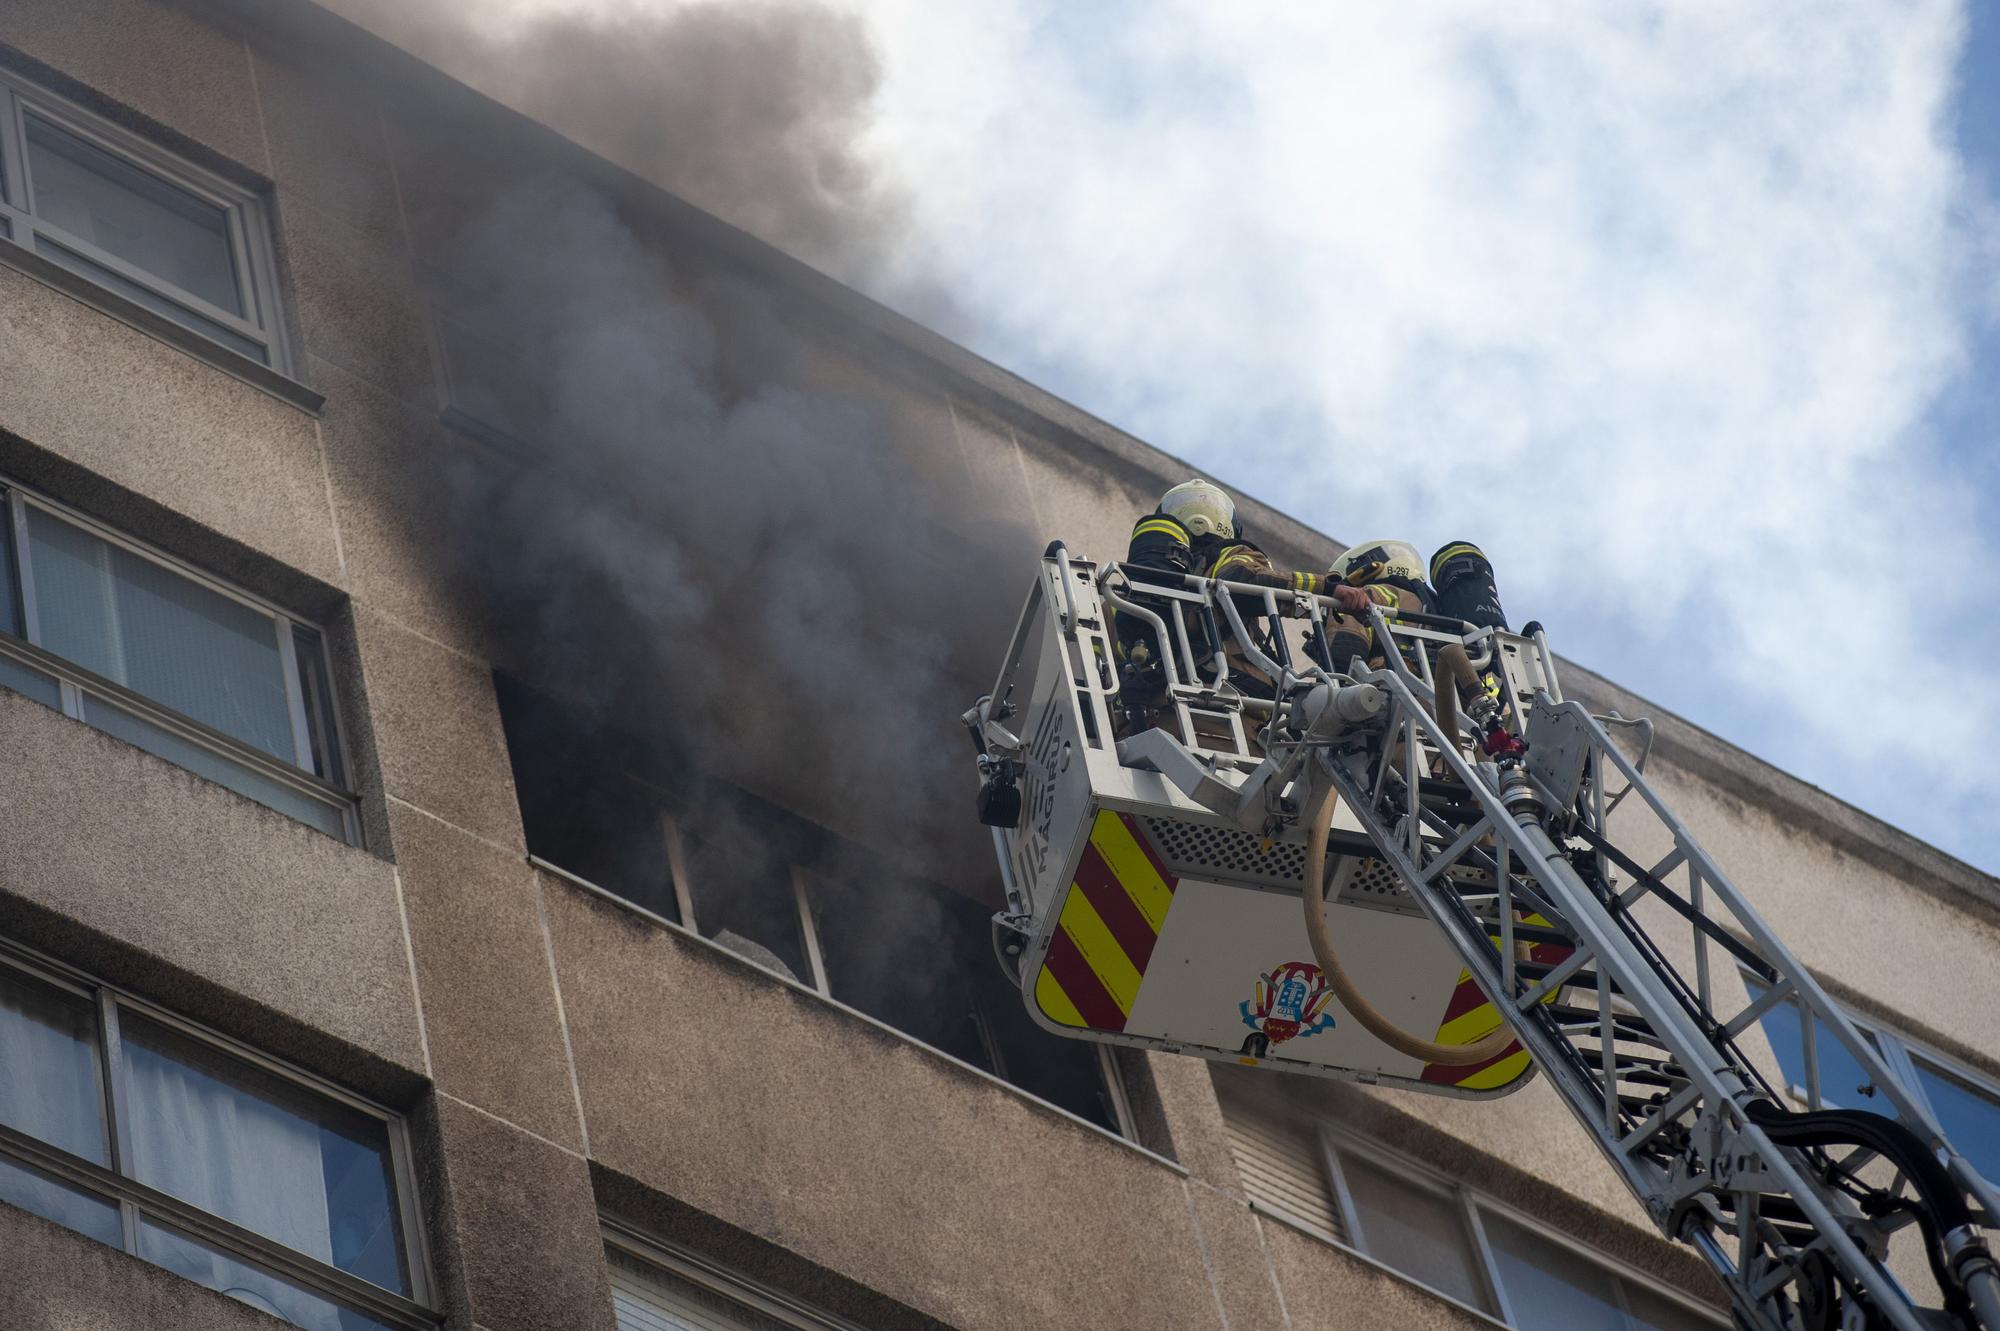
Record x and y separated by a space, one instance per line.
725 527
707 542
753 110
711 522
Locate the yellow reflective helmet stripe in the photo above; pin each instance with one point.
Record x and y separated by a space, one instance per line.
1161 527
1452 551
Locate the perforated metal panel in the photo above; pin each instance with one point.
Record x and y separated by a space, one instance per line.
1226 852
1359 881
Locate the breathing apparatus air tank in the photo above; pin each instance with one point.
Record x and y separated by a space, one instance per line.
1462 577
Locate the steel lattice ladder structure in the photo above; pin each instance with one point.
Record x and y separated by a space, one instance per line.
1665 969
1650 1061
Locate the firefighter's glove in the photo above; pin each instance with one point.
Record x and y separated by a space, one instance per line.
1351 600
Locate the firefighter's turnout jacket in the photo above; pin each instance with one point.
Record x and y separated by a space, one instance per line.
1161 542
1158 542
1349 636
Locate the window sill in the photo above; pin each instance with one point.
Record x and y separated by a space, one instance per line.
732 958
492 436
81 289
75 681
233 1240
1276 1216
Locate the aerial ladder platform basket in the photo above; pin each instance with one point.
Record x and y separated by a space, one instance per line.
1430 871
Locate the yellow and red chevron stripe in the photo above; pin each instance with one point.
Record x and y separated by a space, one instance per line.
1469 1016
1104 937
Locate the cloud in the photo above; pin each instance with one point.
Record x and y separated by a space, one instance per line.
1679 309
1655 301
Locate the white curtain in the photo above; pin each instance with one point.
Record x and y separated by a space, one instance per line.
242 1282
48 1068
225 1148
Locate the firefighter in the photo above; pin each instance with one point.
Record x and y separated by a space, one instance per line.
1461 587
1194 531
1240 561
1389 574
1165 540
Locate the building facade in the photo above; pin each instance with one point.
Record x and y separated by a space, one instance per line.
452 876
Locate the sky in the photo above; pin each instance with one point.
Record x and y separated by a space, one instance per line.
1688 313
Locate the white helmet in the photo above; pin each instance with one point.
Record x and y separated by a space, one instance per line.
1203 508
1371 561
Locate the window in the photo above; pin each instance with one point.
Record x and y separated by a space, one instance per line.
655 1289
593 802
624 818
1965 1104
745 891
159 232
1546 1281
1841 1083
491 391
1407 1221
200 675
1442 1235
129 1126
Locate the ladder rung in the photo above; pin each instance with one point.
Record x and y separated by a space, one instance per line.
1623 1027
1534 970
1534 933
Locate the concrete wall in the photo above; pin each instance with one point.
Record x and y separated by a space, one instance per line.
559 1055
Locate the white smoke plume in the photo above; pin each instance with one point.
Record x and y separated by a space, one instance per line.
1659 302
1656 301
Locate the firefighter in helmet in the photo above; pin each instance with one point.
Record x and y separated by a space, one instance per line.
1460 586
1389 574
1194 531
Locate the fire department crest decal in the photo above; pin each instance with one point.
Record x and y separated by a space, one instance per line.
1288 1003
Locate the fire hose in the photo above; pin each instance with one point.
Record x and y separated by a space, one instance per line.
1372 1020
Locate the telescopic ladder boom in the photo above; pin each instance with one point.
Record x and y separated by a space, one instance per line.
1643 995
1642 1034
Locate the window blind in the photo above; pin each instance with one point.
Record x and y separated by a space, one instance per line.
1281 1165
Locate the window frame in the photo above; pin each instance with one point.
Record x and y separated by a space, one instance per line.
455 311
134 1200
248 220
1901 1052
1470 1204
446 327
77 684
1415 1175
686 1265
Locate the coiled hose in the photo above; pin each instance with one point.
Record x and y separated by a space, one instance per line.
1453 662
1372 1020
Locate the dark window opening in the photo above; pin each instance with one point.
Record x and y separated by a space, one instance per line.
601 805
584 807
741 855
897 951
